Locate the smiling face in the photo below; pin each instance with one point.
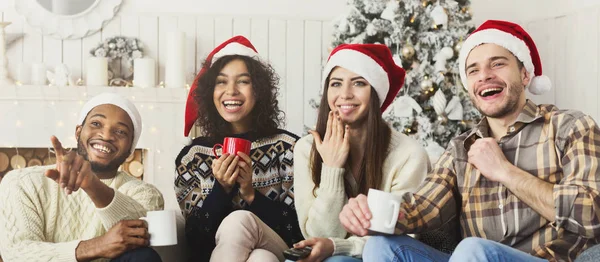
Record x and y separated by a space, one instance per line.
496 81
233 95
349 94
105 138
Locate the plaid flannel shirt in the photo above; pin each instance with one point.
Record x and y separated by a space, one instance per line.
561 147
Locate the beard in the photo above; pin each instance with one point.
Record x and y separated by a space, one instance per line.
512 96
112 166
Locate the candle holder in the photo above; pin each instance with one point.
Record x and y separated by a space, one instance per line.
5 79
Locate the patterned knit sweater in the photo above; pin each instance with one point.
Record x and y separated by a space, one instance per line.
205 203
39 222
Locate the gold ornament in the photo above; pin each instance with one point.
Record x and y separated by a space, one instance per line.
408 51
426 84
458 47
412 129
463 124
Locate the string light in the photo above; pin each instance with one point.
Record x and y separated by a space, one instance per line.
18 83
16 102
60 124
19 123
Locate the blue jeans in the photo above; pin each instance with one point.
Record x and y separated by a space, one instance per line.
142 254
339 259
405 248
591 254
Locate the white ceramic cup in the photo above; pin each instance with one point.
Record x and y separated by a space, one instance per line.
384 207
162 227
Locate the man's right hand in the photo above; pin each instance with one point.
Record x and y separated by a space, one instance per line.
226 171
355 216
122 237
72 170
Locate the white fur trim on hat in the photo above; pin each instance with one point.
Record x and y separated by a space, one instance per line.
121 102
234 49
362 65
494 36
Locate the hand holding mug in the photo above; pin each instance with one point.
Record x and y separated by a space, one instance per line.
356 216
124 236
335 145
245 178
225 169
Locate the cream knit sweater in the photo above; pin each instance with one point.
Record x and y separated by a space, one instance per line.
39 222
404 168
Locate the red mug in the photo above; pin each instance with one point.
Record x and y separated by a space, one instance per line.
233 145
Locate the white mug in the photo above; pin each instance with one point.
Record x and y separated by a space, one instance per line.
384 207
162 227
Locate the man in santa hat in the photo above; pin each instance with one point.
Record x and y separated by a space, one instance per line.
82 208
523 183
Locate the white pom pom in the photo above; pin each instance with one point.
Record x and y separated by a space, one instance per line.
540 85
186 141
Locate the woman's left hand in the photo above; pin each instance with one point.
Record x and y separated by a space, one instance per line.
245 178
322 248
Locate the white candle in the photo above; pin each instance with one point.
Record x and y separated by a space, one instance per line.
38 74
97 71
24 74
175 65
144 72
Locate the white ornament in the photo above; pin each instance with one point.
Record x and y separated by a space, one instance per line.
60 76
439 102
405 105
389 13
453 109
439 16
441 58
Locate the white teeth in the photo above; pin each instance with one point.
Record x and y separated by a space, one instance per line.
102 148
485 91
347 106
232 102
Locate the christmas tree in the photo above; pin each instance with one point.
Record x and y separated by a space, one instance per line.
425 37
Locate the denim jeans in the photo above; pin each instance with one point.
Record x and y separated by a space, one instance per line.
142 254
339 259
405 248
591 254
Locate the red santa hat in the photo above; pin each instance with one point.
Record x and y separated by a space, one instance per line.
237 45
374 63
514 38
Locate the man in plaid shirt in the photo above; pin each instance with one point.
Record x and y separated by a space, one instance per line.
523 184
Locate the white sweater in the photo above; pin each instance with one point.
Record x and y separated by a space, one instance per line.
404 168
39 222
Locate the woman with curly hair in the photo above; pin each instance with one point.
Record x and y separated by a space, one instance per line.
352 149
237 207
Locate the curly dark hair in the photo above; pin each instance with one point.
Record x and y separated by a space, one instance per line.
266 116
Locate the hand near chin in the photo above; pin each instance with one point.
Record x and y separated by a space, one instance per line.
72 170
335 145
